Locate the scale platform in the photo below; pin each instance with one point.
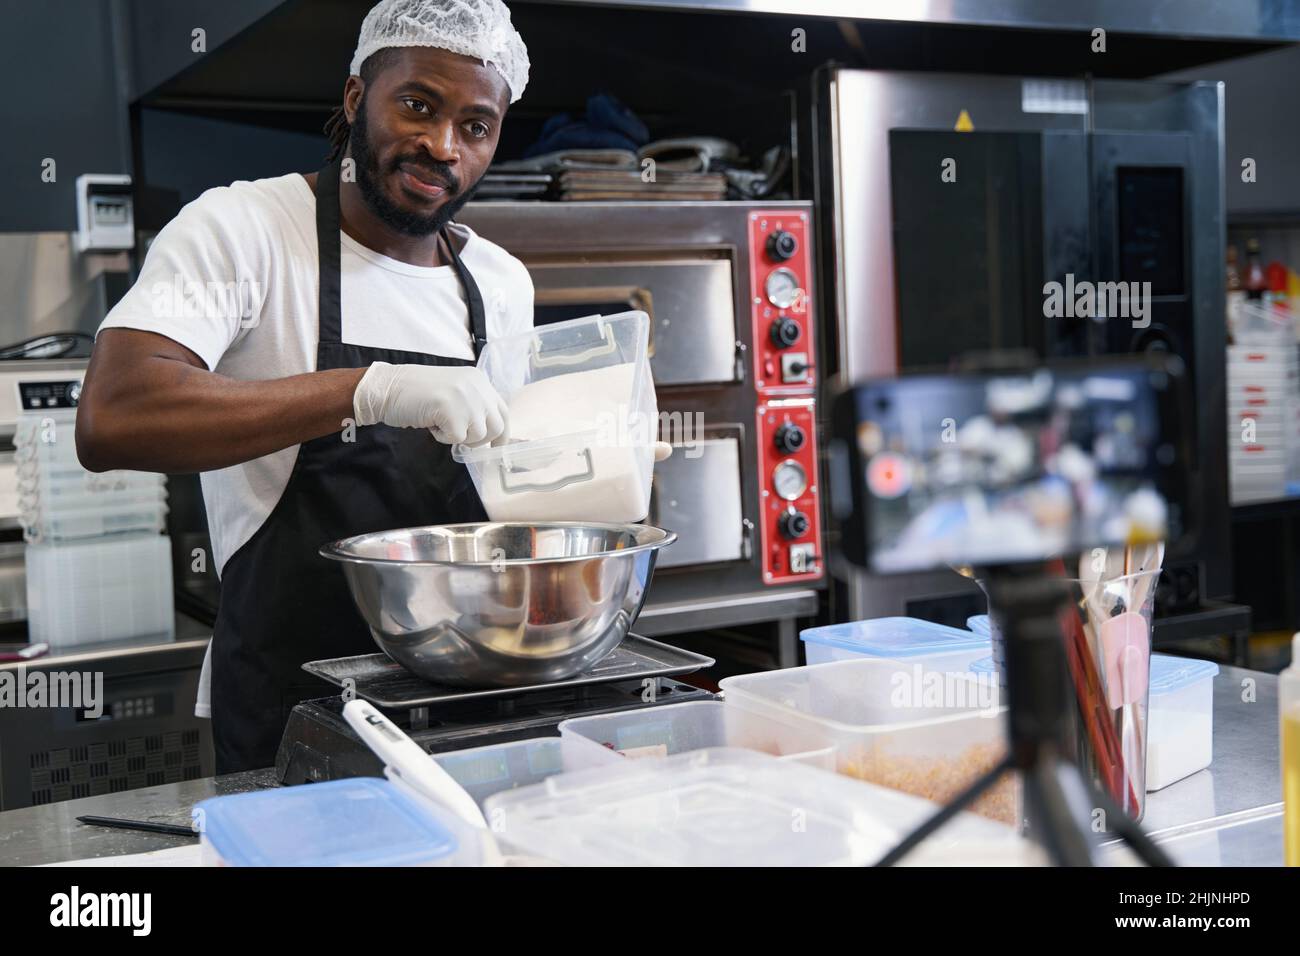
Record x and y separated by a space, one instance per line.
389 685
318 744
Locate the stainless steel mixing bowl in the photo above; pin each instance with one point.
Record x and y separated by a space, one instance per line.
498 604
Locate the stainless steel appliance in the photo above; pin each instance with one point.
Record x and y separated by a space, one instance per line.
730 290
948 202
144 734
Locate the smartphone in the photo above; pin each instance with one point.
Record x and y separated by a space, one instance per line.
979 469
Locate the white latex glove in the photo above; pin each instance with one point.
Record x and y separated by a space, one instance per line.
456 403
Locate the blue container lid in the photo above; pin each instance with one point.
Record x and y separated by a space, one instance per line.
1169 674
984 665
980 624
362 821
895 637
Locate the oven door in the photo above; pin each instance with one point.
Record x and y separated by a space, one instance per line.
697 492
688 296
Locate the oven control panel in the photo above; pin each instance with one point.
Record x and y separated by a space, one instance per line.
788 496
780 273
785 378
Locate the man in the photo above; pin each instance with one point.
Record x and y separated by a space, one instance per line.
319 401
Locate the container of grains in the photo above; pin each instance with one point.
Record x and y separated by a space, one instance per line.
899 638
894 723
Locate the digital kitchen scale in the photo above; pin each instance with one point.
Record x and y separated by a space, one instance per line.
319 745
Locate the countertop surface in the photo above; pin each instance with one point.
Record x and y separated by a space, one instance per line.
1228 814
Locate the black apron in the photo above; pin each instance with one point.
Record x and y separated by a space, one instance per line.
283 604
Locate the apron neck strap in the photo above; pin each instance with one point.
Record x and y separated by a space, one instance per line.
328 243
473 298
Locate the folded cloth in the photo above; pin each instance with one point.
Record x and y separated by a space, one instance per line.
692 154
608 124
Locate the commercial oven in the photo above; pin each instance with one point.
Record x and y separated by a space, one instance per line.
948 203
730 291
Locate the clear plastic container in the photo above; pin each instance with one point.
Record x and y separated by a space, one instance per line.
1180 719
362 821
120 517
728 807
893 723
694 725
99 590
898 638
59 500
583 423
483 771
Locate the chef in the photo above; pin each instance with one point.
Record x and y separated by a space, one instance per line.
308 343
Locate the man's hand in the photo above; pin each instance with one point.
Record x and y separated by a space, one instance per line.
455 402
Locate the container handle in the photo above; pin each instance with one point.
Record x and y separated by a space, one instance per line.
563 358
559 483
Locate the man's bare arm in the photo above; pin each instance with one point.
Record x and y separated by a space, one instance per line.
149 404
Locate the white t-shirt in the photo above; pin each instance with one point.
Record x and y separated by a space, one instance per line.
234 278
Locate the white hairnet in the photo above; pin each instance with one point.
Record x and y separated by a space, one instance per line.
477 28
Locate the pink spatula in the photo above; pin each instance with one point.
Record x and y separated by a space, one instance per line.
1124 648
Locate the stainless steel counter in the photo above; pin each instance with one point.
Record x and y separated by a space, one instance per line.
51 834
1229 814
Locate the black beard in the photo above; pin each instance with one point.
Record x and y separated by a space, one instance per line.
390 213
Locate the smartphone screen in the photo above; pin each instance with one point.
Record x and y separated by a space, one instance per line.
981 469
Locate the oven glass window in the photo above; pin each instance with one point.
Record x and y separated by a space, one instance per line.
1151 227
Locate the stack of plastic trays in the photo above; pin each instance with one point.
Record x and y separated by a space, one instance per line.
1263 411
98 565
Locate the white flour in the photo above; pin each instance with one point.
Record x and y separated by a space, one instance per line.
621 456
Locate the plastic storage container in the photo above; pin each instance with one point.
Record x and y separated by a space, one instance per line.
694 725
727 807
93 521
99 590
483 771
893 723
583 423
1180 719
58 500
899 638
363 821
